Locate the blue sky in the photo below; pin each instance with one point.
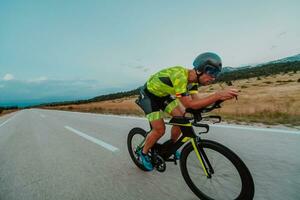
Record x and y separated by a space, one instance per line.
62 50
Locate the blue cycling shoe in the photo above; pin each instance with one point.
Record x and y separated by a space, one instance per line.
177 155
145 160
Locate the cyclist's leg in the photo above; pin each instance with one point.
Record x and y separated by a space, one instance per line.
151 105
158 130
174 109
175 131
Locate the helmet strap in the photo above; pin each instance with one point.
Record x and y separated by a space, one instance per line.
198 76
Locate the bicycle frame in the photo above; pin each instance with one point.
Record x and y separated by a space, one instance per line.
188 135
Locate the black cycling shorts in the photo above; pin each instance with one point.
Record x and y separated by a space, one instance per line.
152 104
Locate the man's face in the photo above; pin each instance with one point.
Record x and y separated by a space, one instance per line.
206 79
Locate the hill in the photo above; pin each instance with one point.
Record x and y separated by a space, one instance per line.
269 100
227 76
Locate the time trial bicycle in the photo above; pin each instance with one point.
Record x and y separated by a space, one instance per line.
211 170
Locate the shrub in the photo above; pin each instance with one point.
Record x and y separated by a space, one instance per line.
279 81
267 82
229 83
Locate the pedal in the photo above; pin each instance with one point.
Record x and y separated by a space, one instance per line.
160 164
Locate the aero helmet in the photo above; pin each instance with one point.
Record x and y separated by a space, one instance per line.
207 59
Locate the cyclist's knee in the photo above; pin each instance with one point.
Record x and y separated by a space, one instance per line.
178 111
159 130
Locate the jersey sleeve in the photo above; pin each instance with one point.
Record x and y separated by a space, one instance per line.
193 88
179 80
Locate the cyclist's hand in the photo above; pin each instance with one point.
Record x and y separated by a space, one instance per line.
227 94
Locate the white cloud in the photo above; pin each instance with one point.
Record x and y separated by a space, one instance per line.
8 77
282 33
38 80
42 78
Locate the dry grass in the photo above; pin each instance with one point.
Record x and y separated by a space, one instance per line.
271 100
5 112
124 106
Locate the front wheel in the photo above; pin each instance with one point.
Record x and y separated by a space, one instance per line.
135 142
230 177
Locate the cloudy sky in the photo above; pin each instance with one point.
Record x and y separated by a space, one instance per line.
62 49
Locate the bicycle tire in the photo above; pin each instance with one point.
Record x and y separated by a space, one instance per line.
133 132
247 184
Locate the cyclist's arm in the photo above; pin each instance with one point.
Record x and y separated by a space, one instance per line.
223 95
189 102
193 90
196 96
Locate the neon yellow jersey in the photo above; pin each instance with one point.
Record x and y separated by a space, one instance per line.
171 81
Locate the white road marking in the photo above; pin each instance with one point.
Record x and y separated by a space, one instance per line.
92 139
7 120
220 126
256 129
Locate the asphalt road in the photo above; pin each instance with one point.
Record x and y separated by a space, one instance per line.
66 155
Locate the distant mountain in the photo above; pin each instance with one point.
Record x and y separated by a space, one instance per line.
282 60
231 69
287 59
228 69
